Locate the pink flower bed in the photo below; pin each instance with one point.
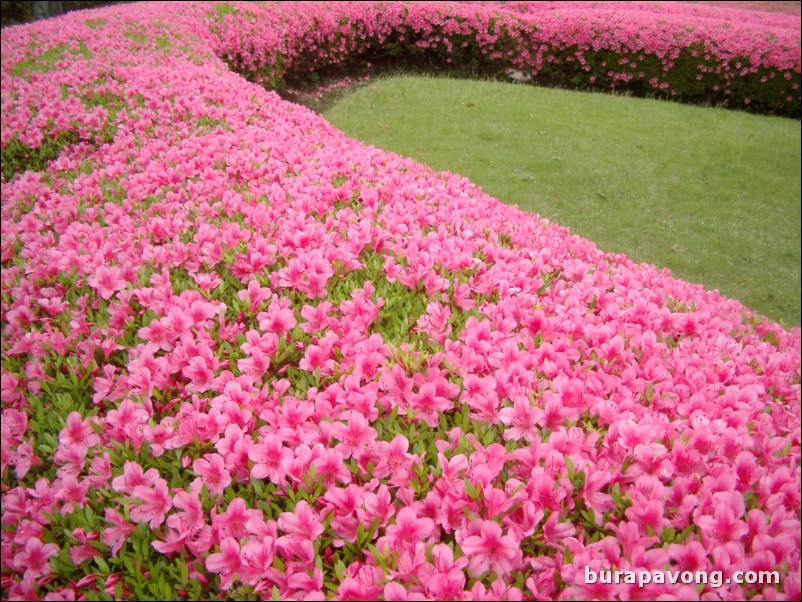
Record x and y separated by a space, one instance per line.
244 356
791 7
697 53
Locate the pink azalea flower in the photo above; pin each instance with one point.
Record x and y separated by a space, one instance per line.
478 393
232 522
302 524
200 372
226 562
446 579
351 589
71 491
522 419
266 343
394 461
256 560
133 476
545 492
213 472
119 531
554 531
689 557
233 446
104 385
255 295
490 550
395 382
316 316
354 436
646 511
23 458
83 551
66 594
35 557
395 591
207 281
725 524
408 529
344 504
78 432
319 356
107 280
129 418
187 527
269 457
155 503
278 319
427 404
376 505
330 467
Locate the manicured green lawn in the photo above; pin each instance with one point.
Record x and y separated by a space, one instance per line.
712 194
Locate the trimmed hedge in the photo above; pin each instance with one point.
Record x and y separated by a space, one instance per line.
707 55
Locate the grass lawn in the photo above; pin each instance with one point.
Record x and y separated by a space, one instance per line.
712 194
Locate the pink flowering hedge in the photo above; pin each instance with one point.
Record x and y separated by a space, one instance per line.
245 357
695 53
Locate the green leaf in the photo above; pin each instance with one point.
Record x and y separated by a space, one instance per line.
104 567
339 570
684 534
381 559
615 493
167 591
569 466
184 572
668 535
589 517
470 489
369 533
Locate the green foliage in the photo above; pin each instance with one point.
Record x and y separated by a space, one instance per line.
18 157
162 42
113 105
211 123
270 75
223 9
66 389
47 61
136 37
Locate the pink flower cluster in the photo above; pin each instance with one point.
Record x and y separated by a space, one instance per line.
246 356
700 53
